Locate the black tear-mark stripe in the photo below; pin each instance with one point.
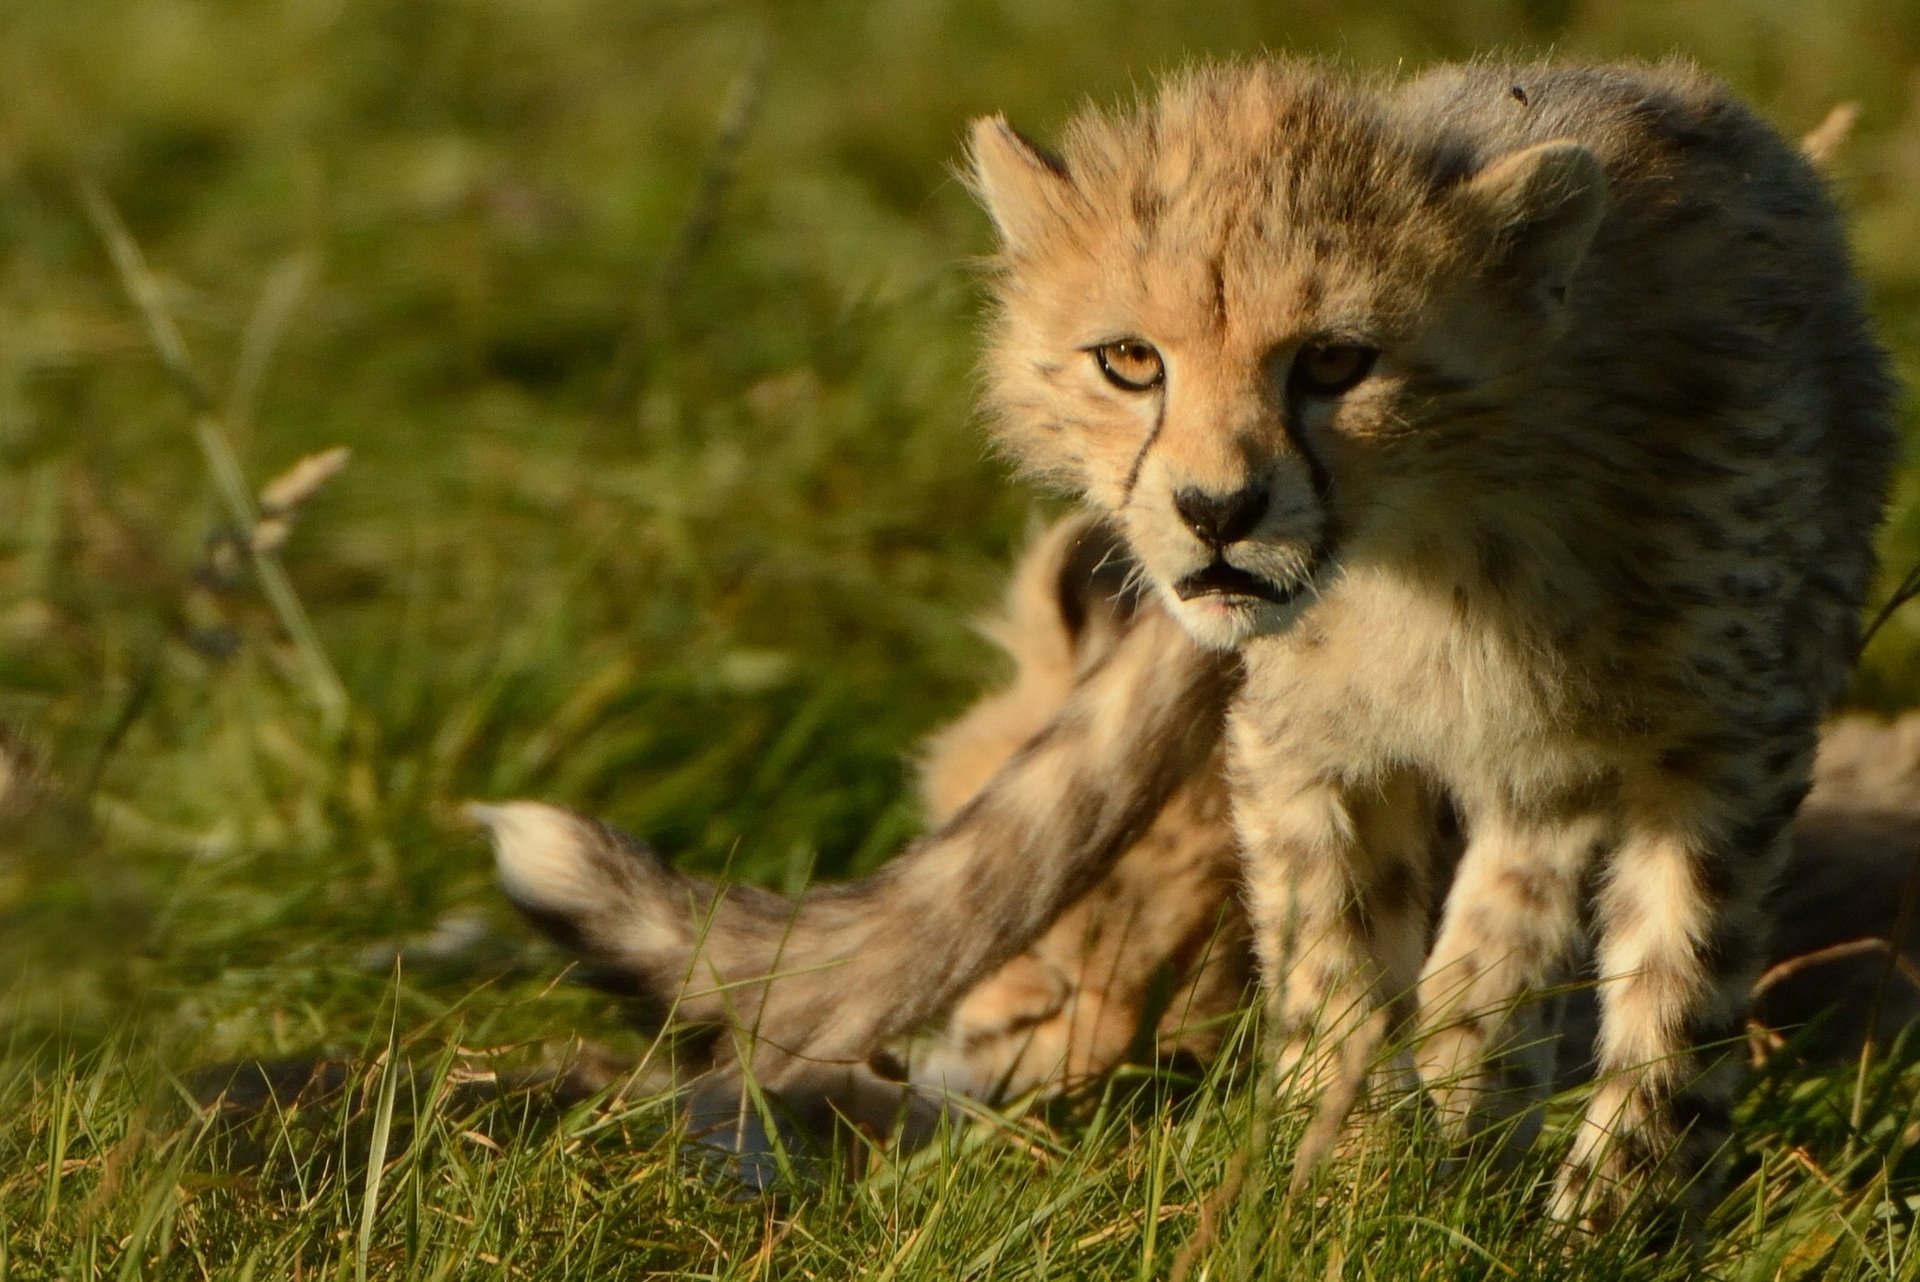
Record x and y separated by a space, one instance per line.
1317 472
1140 458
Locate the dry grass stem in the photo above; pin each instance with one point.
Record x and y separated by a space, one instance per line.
143 288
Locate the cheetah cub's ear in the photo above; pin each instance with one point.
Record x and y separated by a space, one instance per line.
1542 206
1025 190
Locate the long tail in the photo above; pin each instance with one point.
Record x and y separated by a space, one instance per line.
1155 954
832 975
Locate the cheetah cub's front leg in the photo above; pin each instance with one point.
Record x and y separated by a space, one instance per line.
1681 934
1337 876
1485 1049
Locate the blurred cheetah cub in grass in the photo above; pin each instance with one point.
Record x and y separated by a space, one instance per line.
1513 436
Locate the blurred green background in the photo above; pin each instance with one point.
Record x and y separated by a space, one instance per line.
651 328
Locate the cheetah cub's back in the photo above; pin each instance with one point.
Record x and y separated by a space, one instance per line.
1522 429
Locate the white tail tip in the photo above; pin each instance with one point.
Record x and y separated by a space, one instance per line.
542 856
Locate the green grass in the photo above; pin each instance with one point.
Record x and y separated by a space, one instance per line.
666 503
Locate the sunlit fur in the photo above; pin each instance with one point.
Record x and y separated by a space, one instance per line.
1153 957
1584 554
1581 560
1158 945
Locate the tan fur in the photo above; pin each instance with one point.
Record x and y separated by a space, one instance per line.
1155 957
1583 552
1517 436
1025 1028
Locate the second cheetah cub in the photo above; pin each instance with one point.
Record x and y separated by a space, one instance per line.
1514 436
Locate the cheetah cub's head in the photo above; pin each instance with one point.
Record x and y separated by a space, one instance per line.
1262 319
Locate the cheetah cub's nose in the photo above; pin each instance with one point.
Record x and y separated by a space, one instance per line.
1220 519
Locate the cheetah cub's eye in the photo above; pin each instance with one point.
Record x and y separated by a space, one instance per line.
1329 369
1131 364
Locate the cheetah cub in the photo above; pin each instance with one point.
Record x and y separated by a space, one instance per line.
1511 438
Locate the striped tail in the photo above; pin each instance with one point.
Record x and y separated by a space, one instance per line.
832 975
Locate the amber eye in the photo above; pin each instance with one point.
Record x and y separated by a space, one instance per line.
1131 364
1328 369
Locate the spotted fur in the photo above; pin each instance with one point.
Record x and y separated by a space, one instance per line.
1081 999
1578 556
1584 553
778 972
1154 958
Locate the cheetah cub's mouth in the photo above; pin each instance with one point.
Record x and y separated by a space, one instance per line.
1223 605
1227 582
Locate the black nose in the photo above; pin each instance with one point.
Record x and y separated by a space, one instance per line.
1220 519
